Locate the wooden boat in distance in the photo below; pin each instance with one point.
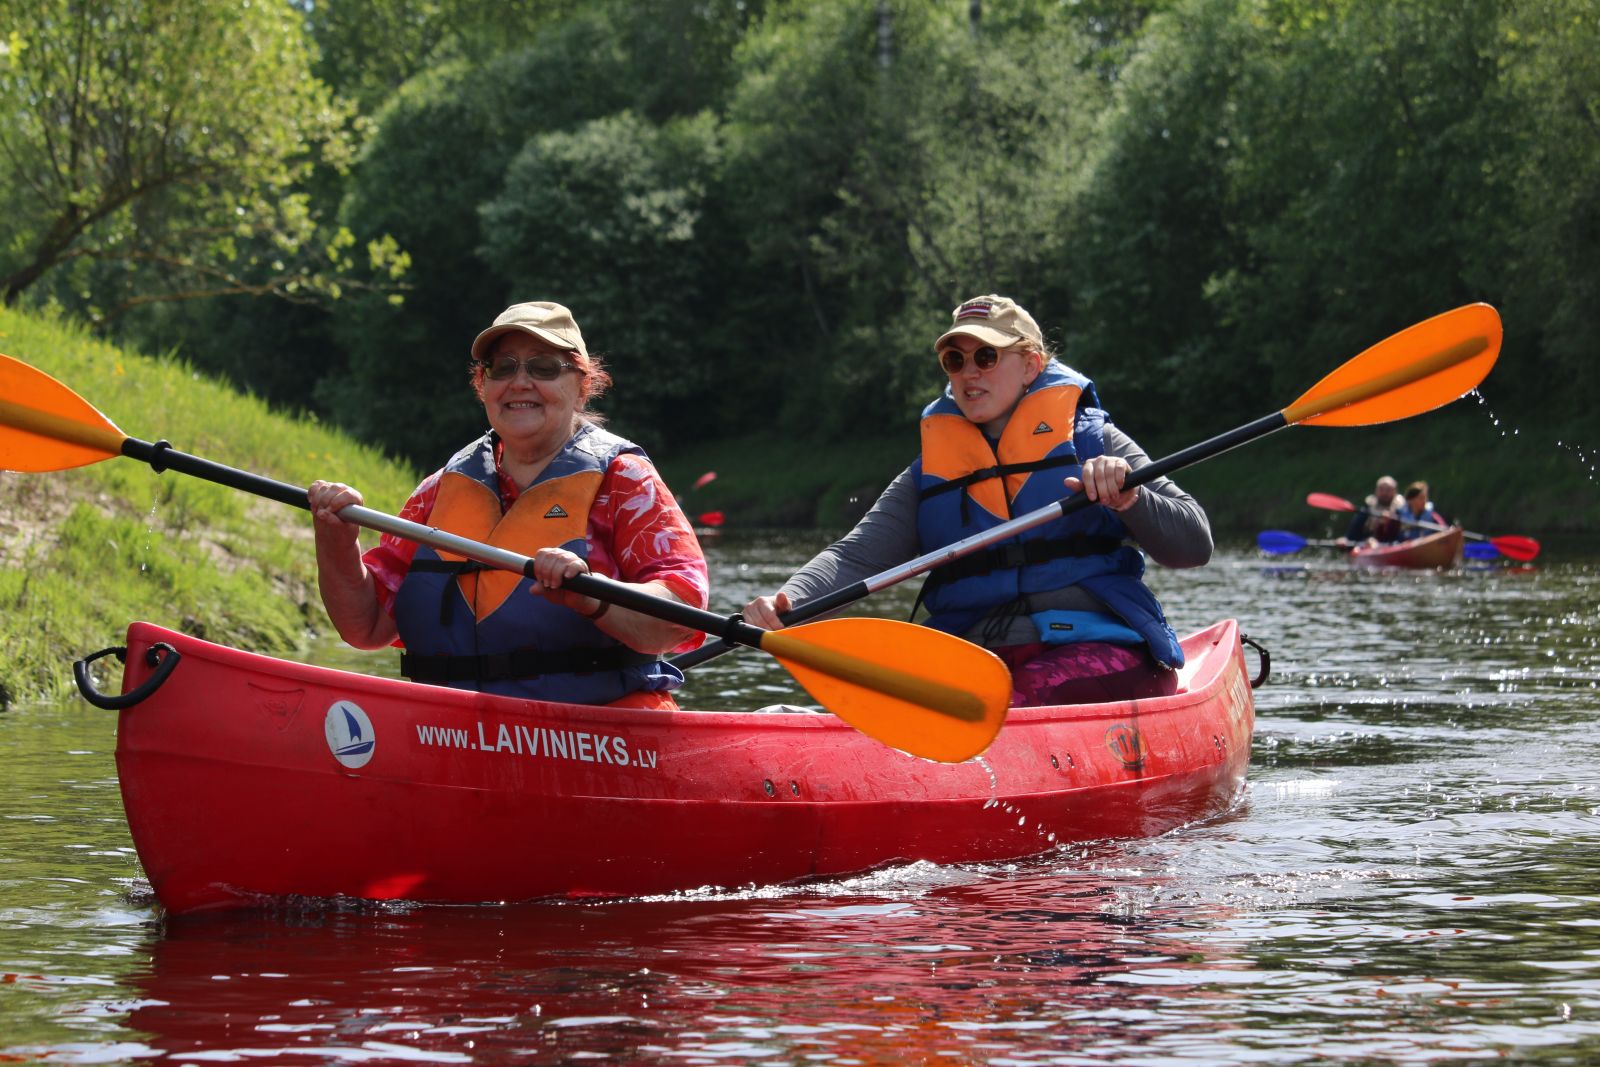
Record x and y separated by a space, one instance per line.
1442 549
249 780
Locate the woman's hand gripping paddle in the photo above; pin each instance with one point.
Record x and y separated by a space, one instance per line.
1422 367
915 689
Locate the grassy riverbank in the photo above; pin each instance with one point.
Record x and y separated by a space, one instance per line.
83 552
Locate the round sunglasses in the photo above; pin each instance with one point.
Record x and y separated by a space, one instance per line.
543 367
953 359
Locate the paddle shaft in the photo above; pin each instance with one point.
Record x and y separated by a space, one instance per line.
1306 407
1424 525
161 456
949 700
849 594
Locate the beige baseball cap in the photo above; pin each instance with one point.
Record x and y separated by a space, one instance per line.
995 320
546 321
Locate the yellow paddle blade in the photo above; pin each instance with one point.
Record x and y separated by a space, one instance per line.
1422 367
44 426
913 688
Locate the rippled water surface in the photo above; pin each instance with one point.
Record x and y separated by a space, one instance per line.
1412 876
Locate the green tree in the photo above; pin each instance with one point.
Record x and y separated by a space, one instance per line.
1149 224
152 150
1539 133
1356 187
368 49
612 218
440 149
1285 180
886 163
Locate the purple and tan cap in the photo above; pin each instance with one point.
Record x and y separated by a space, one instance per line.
994 320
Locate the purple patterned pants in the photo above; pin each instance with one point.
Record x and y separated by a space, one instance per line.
1088 672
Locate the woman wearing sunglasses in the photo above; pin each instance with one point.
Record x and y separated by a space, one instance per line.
1065 604
546 481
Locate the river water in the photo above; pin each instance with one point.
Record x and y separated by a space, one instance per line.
1412 876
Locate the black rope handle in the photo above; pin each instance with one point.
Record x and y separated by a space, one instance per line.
164 665
1266 659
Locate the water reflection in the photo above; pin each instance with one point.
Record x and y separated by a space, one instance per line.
912 965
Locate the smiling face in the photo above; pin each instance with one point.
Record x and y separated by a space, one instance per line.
532 417
988 397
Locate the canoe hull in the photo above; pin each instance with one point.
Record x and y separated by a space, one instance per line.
1442 549
248 779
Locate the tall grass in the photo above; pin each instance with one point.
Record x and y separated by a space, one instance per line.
84 552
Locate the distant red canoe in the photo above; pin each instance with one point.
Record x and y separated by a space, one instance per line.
1441 549
248 779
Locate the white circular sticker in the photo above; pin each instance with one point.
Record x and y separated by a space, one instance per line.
349 733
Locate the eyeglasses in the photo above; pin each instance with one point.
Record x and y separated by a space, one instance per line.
544 367
953 359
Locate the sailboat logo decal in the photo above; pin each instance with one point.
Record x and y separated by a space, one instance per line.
349 733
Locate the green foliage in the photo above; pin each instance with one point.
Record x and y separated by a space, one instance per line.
889 164
1155 192
621 203
441 149
763 211
1355 202
370 48
161 150
1542 123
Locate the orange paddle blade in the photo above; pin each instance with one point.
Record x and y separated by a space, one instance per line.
1422 367
44 426
913 688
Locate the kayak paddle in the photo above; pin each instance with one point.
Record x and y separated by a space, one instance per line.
1284 542
1424 366
1512 546
915 689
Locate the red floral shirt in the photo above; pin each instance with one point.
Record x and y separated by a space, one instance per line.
637 533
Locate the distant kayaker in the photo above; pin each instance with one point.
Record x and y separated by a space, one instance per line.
1063 604
545 481
1416 516
1375 522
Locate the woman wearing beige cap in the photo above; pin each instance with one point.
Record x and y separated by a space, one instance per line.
546 481
1063 604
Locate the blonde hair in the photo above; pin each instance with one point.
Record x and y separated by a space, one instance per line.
1037 349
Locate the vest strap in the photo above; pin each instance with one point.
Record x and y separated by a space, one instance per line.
1000 470
449 566
1013 555
523 663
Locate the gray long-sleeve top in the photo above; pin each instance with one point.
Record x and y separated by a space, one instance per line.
1168 524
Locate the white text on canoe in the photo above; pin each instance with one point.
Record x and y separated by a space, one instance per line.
539 742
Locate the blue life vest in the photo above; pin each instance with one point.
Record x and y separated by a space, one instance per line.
968 486
1411 533
472 627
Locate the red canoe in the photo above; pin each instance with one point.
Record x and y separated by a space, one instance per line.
248 779
1440 549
